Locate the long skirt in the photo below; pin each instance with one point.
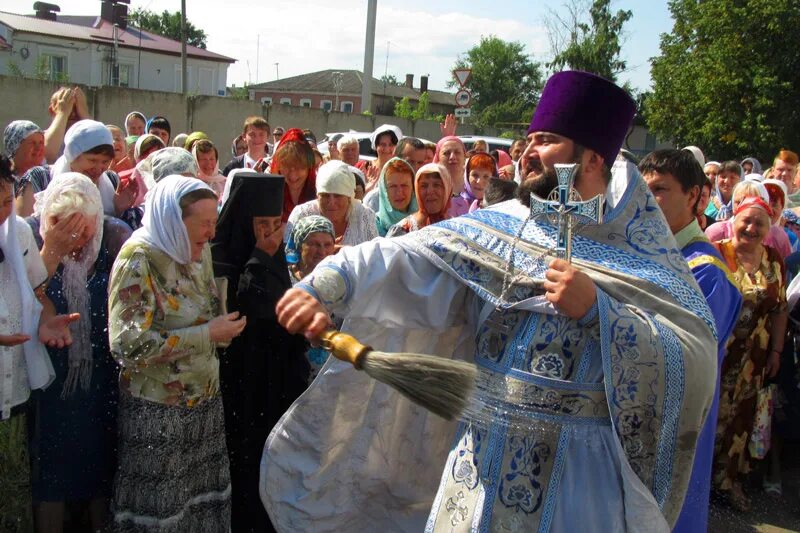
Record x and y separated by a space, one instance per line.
173 473
15 482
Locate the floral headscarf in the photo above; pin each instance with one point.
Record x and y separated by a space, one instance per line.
300 232
16 132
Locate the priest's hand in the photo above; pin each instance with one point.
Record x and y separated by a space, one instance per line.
54 331
299 312
571 291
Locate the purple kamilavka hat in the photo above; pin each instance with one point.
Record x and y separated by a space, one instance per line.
587 109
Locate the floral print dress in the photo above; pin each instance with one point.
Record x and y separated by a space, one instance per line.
743 370
158 328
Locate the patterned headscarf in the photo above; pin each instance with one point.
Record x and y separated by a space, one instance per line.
166 162
16 132
300 232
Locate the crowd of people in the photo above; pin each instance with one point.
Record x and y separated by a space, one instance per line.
147 354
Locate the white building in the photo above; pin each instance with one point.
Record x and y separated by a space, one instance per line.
92 51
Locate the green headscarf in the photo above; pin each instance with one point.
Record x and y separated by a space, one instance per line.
193 138
388 216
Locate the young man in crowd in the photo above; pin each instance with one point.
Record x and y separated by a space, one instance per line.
676 180
256 134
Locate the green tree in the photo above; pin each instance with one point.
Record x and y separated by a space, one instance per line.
168 25
726 79
390 79
403 108
592 45
505 82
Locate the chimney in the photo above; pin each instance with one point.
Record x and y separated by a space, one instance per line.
46 11
115 12
423 84
410 81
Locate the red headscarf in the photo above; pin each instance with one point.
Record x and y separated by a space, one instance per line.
309 192
753 201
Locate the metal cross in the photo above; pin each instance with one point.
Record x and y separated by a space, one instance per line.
569 211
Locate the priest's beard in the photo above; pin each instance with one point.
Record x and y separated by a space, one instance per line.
543 184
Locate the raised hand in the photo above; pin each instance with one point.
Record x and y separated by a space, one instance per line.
125 195
448 127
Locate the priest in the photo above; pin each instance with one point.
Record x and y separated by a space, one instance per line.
595 375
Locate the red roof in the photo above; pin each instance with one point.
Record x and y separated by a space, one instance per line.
97 30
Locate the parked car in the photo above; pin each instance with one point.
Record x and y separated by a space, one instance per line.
495 143
364 144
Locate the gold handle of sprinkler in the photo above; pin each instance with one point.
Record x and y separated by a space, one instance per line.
344 347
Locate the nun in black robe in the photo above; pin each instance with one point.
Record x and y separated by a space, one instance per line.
265 369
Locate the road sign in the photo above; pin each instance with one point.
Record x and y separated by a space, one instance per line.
463 98
462 112
462 75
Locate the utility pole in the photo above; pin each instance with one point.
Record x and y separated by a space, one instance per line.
258 52
277 74
183 49
369 53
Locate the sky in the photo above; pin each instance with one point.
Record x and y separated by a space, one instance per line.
422 37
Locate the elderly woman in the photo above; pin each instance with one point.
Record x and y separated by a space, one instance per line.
777 201
264 370
75 417
754 352
433 187
451 153
207 157
89 150
776 238
144 146
313 239
394 199
120 163
294 160
336 186
24 361
24 144
164 328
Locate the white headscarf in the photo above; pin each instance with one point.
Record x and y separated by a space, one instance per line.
75 273
335 177
37 360
385 128
82 137
162 224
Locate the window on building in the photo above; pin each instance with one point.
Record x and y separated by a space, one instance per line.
327 105
122 75
305 102
346 107
287 101
266 100
55 66
650 142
